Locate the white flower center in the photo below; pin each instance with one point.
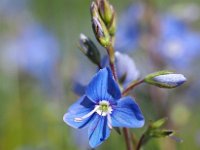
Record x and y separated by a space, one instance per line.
103 109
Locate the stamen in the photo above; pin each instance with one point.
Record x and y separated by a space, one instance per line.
109 121
87 115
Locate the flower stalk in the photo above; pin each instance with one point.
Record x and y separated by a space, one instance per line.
126 132
132 86
139 145
111 54
128 139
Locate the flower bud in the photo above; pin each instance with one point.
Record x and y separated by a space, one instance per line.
154 130
157 124
89 49
160 133
108 15
99 27
94 10
101 32
112 26
105 10
165 79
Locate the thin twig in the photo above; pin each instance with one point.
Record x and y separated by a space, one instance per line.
128 139
130 87
140 142
99 66
112 66
111 55
134 139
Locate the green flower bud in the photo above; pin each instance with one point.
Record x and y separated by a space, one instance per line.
89 49
157 124
101 32
160 133
105 10
165 79
112 26
99 27
108 15
154 131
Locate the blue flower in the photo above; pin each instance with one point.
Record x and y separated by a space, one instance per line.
127 72
129 28
126 68
177 41
35 51
102 108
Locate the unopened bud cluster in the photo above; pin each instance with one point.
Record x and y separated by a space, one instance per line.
103 21
155 130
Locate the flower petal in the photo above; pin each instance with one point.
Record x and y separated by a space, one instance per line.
78 88
98 131
127 114
80 108
103 87
126 67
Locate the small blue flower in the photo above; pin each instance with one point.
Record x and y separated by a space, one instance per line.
177 41
102 108
35 51
126 68
171 25
127 72
129 28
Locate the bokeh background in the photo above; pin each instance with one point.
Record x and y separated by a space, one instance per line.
40 60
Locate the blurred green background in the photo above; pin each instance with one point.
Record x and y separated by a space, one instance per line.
32 107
